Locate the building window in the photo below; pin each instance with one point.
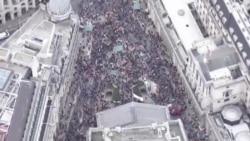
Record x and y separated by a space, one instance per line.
235 38
227 93
231 30
214 1
217 7
224 20
220 13
196 77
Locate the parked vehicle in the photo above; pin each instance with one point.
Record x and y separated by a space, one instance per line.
4 35
175 110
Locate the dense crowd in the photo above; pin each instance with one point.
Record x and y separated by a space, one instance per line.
143 55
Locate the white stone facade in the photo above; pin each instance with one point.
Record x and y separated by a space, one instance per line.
225 85
10 9
208 95
234 26
203 9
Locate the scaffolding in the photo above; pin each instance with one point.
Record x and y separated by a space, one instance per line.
7 103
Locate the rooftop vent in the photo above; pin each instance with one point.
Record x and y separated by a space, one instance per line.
164 15
218 41
181 12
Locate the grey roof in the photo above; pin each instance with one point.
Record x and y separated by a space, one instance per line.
231 22
21 111
132 114
5 75
222 57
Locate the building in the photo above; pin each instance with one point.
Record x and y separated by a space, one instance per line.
137 121
231 124
132 114
176 24
35 63
208 85
232 18
59 10
10 9
167 131
214 72
210 49
13 85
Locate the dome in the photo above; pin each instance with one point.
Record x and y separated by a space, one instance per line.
231 114
181 12
245 136
59 9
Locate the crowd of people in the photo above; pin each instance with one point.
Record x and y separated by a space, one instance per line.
123 40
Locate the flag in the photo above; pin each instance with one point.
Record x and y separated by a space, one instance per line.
209 52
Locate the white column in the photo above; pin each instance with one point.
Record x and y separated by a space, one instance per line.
1 5
33 3
3 19
10 2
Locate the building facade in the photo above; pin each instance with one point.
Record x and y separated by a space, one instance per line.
214 72
11 9
232 18
210 85
166 131
49 56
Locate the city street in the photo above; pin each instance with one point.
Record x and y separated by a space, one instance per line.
120 48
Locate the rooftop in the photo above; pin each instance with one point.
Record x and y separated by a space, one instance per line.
239 131
168 131
132 114
183 21
236 21
216 59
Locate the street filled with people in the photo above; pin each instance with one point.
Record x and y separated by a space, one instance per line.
121 48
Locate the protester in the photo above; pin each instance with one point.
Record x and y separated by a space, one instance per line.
116 23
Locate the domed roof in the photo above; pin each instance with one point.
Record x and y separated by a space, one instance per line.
231 113
244 136
59 7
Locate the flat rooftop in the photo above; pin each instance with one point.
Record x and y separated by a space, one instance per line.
168 131
133 114
225 132
214 60
183 22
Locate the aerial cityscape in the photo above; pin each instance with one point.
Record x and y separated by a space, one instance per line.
124 70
